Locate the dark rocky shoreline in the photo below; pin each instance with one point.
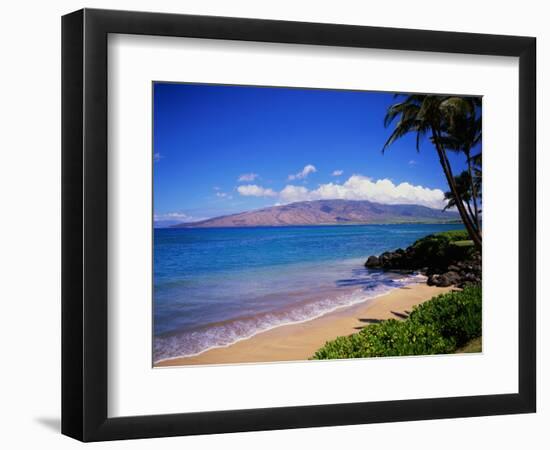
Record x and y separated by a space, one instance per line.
452 268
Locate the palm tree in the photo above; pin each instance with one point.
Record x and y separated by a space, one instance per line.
425 115
464 188
463 133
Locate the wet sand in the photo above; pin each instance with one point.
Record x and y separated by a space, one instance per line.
300 341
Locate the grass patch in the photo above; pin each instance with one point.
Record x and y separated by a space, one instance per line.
468 243
454 235
474 346
440 325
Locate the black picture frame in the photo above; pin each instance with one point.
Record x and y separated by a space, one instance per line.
84 224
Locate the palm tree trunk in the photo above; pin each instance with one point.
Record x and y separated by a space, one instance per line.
474 190
470 210
466 218
474 235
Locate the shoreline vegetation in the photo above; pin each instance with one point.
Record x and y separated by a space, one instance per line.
418 319
442 325
448 323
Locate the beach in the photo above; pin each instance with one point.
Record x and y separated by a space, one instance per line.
299 341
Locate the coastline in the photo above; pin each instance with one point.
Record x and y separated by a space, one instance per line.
299 341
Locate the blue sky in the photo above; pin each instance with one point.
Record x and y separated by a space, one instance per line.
225 149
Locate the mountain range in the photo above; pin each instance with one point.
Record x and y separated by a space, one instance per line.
328 212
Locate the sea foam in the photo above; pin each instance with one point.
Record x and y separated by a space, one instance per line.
225 333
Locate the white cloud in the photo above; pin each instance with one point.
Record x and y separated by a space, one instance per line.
255 191
356 187
293 193
412 162
173 216
248 177
157 157
224 195
337 173
310 168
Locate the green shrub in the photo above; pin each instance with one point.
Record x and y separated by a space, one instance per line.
440 250
456 314
438 326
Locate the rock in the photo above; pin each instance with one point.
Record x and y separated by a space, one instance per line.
438 280
384 257
452 276
469 277
372 261
385 260
446 270
391 260
396 255
444 280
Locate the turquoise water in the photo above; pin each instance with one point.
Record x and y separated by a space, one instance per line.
213 287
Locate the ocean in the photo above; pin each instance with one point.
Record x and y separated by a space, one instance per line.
216 286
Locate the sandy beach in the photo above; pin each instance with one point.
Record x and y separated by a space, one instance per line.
300 341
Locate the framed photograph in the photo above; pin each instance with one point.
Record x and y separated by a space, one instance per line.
273 224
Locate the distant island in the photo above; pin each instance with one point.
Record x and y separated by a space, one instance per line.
328 212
